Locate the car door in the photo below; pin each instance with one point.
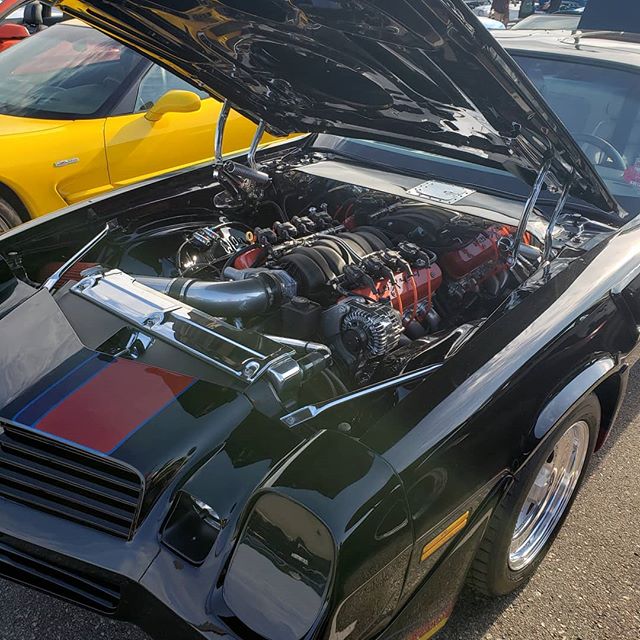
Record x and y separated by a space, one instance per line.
138 148
57 88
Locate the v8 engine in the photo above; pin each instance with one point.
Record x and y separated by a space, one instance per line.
364 284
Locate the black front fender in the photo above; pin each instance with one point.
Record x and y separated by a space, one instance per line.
584 382
361 500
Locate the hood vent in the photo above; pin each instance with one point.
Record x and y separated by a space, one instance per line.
70 483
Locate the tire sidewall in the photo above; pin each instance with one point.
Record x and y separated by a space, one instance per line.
9 218
504 579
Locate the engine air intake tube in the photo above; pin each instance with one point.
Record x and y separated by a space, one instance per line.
237 298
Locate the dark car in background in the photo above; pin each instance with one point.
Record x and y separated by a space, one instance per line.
307 392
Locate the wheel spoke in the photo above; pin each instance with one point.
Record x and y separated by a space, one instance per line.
549 496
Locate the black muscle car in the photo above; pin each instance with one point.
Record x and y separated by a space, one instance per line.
307 392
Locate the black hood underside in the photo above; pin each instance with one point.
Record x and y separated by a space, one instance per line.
423 74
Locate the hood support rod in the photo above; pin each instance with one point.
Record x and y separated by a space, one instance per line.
251 156
548 238
239 181
222 121
310 411
529 206
54 278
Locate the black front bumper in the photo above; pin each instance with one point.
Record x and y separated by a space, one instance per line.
84 587
105 573
169 599
92 588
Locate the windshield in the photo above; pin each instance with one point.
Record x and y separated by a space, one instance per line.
67 71
545 22
601 108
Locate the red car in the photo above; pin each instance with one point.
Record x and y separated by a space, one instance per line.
21 18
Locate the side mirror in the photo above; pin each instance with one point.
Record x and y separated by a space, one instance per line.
174 101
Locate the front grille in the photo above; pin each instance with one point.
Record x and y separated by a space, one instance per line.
68 482
91 592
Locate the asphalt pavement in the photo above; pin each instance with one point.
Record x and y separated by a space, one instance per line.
588 588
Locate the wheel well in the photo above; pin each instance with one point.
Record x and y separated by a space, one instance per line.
12 198
608 393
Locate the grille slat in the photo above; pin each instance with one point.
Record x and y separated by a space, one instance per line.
41 452
65 481
57 581
69 514
29 484
70 483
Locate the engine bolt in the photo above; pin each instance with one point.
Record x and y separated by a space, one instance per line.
251 368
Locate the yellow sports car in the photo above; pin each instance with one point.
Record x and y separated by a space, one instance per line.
81 114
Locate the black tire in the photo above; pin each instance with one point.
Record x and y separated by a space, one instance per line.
491 572
9 217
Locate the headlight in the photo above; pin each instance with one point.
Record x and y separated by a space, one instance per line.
280 571
191 529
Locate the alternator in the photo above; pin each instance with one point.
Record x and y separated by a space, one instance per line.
370 330
359 331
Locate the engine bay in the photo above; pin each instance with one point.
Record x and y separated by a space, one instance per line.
362 277
334 286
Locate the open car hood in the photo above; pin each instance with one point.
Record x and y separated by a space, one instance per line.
423 74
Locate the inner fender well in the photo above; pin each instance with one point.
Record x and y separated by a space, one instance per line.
595 376
8 194
610 393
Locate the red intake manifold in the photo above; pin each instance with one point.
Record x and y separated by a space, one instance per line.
480 251
407 291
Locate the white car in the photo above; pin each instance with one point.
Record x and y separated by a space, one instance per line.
484 11
491 24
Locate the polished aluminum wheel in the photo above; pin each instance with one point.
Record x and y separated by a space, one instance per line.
549 496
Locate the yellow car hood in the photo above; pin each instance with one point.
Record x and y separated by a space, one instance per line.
11 125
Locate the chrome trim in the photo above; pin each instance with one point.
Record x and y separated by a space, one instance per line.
439 191
55 277
310 411
136 346
66 162
303 345
196 333
285 375
549 496
207 513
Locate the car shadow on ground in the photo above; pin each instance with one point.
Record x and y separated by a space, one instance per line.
475 614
